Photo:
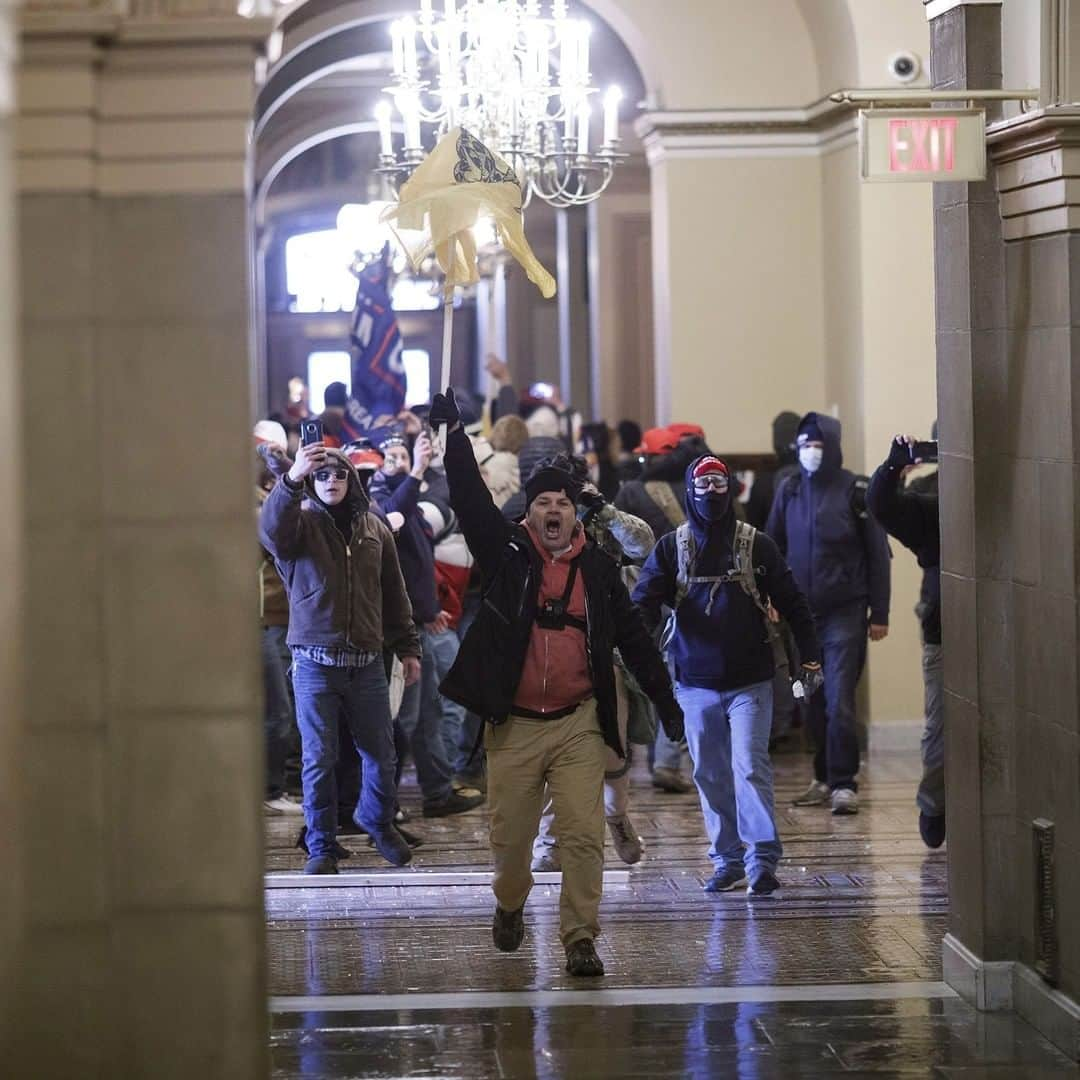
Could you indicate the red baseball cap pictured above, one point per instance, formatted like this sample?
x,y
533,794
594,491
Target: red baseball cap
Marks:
x,y
681,431
657,441
708,465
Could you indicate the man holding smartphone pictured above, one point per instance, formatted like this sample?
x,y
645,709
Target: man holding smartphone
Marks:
x,y
909,512
347,601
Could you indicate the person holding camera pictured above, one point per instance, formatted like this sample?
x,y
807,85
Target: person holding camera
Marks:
x,y
722,579
538,665
347,599
840,558
909,512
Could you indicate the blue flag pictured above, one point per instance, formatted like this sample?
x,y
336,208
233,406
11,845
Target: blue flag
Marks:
x,y
378,371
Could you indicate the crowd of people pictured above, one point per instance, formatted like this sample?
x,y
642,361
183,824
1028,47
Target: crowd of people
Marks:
x,y
515,600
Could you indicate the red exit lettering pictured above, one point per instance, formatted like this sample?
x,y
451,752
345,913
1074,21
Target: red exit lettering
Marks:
x,y
924,145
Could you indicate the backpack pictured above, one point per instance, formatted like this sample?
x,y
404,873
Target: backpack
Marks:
x,y
660,492
743,572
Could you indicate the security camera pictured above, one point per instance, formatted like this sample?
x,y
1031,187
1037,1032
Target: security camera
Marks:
x,y
905,67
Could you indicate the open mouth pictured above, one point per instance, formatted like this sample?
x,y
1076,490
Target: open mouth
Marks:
x,y
552,527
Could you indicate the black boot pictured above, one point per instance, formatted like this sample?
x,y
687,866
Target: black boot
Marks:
x,y
581,959
508,929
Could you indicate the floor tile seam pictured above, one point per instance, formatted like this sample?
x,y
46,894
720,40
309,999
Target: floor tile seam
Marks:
x,y
477,999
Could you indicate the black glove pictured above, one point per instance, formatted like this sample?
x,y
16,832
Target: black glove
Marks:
x,y
591,502
899,454
444,410
671,716
275,458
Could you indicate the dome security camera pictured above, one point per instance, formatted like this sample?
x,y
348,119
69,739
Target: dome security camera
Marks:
x,y
905,67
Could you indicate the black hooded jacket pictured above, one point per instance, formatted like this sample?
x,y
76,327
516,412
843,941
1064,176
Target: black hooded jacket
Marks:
x,y
488,669
727,648
839,558
667,469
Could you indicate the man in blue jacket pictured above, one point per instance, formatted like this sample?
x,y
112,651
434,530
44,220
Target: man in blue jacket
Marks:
x,y
722,578
840,558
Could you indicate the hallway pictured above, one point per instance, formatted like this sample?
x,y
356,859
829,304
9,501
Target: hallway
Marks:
x,y
841,974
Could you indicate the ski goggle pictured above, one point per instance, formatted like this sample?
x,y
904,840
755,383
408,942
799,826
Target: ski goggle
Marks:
x,y
323,475
711,482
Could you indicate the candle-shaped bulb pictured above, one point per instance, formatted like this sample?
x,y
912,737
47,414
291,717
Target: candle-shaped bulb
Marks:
x,y
398,47
611,115
382,115
426,14
451,9
408,33
584,115
584,30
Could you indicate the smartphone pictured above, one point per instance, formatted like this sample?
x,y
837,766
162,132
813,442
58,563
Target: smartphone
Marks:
x,y
926,452
543,390
310,432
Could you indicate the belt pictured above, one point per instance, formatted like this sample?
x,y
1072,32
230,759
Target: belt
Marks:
x,y
558,714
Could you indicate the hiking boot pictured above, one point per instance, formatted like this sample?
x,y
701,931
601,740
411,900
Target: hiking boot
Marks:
x,y
454,803
671,780
391,845
845,801
726,880
548,862
338,851
581,959
817,794
932,829
320,864
625,838
508,929
764,884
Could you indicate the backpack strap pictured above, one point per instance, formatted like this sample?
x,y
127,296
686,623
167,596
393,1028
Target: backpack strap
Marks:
x,y
660,492
686,551
744,564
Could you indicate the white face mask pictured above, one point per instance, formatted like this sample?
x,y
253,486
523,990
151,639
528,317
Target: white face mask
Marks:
x,y
810,458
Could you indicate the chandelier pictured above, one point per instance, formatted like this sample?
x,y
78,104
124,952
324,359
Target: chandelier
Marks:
x,y
515,78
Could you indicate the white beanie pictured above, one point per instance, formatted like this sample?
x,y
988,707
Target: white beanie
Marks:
x,y
543,423
270,431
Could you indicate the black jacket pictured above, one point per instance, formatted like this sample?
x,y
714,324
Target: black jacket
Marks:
x,y
488,669
668,469
839,558
911,516
725,645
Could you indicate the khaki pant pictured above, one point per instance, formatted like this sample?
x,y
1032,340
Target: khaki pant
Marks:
x,y
567,755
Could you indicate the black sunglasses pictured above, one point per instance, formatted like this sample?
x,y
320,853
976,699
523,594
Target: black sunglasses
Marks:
x,y
326,474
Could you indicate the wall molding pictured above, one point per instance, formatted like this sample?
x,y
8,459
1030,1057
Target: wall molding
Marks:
x,y
1010,986
936,8
820,128
1036,159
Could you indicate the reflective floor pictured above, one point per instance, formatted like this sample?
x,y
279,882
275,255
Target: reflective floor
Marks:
x,y
840,973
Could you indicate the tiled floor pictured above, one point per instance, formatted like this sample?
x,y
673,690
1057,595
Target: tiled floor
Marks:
x,y
863,903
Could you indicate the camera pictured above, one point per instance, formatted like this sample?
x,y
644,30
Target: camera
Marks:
x,y
552,616
905,67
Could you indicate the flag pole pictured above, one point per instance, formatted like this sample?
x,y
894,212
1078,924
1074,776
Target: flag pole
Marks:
x,y
447,352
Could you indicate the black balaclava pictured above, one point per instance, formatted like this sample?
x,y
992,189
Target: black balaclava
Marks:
x,y
712,506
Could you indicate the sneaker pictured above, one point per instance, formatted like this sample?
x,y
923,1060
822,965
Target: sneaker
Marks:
x,y
454,803
548,863
508,929
932,829
845,801
581,959
671,780
726,880
281,805
338,851
391,845
765,884
817,794
624,836
321,864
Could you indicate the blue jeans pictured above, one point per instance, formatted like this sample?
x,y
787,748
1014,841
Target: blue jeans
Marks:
x,y
469,752
728,735
831,713
277,706
421,729
326,696
448,717
931,797
666,754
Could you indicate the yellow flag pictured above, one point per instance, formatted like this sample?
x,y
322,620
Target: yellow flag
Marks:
x,y
460,180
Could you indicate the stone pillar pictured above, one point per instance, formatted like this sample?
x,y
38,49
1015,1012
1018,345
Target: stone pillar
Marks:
x,y
1008,304
142,937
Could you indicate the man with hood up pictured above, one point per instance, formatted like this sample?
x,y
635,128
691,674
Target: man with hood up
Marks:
x,y
840,558
538,665
347,599
721,578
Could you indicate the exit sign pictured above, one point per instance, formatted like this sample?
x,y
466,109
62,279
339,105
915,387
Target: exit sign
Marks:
x,y
905,145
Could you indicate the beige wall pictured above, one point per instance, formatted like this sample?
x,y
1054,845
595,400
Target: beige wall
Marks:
x,y
739,240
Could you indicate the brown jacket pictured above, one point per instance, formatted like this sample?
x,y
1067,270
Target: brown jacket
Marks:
x,y
341,595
